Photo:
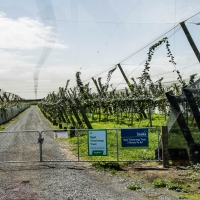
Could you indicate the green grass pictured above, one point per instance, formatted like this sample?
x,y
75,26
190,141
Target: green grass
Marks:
x,y
159,183
157,121
114,146
176,138
132,154
135,187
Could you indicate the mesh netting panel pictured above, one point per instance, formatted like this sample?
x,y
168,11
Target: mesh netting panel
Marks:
x,y
176,137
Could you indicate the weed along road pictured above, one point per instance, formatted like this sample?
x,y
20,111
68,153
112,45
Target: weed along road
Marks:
x,y
50,180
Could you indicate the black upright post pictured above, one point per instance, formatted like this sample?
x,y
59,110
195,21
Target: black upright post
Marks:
x,y
82,111
193,105
194,47
75,113
95,82
181,120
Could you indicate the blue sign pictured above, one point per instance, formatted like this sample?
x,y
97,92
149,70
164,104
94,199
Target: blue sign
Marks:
x,y
136,138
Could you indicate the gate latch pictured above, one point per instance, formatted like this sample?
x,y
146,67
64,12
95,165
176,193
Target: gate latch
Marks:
x,y
40,140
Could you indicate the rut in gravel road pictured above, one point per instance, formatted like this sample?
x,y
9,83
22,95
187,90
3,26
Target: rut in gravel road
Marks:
x,y
50,180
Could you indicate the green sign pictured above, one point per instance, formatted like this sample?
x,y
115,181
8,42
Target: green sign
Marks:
x,y
97,143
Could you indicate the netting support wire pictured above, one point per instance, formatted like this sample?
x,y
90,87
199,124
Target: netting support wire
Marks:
x,y
190,40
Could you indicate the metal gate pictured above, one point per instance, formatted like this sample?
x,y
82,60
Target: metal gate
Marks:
x,y
35,146
19,146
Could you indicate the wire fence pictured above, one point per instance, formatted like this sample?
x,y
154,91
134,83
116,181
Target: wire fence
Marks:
x,y
19,146
80,145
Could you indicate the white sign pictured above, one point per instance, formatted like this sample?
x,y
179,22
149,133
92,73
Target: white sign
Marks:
x,y
60,135
97,143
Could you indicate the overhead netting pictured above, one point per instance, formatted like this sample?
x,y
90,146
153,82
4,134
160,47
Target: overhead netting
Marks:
x,y
176,138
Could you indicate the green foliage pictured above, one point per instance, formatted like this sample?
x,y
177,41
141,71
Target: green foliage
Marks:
x,y
176,138
195,167
158,183
174,186
190,196
114,143
107,165
133,186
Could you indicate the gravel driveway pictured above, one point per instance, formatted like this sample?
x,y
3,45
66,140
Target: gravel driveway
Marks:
x,y
51,180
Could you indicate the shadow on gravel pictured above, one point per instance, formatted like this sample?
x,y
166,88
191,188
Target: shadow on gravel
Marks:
x,y
150,168
39,167
157,168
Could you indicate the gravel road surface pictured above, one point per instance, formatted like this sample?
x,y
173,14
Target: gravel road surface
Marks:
x,y
50,180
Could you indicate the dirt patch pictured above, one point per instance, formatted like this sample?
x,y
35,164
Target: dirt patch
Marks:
x,y
185,178
153,171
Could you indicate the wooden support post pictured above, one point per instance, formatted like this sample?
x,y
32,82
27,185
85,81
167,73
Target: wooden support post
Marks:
x,y
150,115
194,47
95,82
72,120
75,113
131,88
193,105
5,96
165,154
61,114
82,111
126,79
132,104
66,117
181,120
1,98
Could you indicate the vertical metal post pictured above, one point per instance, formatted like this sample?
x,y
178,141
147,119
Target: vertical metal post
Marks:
x,y
40,140
158,145
78,142
117,146
165,147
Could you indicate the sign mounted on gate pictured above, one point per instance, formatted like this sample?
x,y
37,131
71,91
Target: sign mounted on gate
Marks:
x,y
97,143
60,135
135,138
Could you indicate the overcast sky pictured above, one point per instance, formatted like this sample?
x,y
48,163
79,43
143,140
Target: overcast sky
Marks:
x,y
50,40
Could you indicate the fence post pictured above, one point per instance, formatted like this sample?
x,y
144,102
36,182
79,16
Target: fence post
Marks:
x,y
117,145
40,141
78,142
165,154
159,156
